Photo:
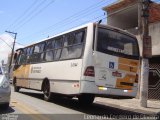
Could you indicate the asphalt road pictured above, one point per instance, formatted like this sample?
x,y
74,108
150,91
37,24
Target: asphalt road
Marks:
x,y
29,105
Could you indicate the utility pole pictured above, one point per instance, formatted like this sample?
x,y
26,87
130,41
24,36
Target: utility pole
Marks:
x,y
146,52
10,63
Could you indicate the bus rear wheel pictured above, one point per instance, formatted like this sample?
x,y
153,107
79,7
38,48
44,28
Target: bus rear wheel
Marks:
x,y
46,91
86,99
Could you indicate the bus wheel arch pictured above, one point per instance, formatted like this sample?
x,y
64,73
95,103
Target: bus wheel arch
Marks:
x,y
16,88
46,89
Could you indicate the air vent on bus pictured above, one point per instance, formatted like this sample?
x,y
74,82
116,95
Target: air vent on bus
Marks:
x,y
89,71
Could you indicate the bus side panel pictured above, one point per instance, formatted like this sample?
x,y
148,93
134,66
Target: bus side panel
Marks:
x,y
88,83
64,76
21,75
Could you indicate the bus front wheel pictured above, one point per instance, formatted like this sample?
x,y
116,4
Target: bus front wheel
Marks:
x,y
86,99
46,91
16,88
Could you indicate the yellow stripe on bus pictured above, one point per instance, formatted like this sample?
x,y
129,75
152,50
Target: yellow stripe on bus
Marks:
x,y
128,79
128,61
22,71
127,68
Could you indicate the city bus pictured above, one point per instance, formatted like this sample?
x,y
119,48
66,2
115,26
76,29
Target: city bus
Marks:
x,y
84,62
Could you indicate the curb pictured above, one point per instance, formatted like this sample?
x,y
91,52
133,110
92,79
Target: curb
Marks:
x,y
131,109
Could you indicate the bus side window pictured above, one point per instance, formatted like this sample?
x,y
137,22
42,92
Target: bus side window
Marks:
x,y
75,45
58,47
16,56
29,54
38,52
48,55
22,58
68,39
58,43
41,52
79,37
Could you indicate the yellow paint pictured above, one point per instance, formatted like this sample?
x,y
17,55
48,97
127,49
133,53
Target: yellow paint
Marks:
x,y
22,72
128,61
127,68
127,79
28,110
127,65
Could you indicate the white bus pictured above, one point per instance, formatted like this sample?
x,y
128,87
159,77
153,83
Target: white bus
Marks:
x,y
84,62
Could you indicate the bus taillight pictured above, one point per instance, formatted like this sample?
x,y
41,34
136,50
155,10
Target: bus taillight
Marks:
x,y
89,71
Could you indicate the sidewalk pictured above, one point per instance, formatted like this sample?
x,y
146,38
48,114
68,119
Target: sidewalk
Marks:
x,y
131,105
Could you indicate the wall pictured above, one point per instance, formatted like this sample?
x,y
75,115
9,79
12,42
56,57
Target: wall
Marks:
x,y
124,18
154,30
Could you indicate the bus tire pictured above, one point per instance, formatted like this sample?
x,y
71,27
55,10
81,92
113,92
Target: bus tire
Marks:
x,y
16,88
5,106
86,99
46,90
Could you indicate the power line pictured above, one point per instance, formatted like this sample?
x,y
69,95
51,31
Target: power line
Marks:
x,y
5,42
101,16
73,17
98,17
68,22
110,14
19,43
9,45
35,7
95,18
34,15
19,19
31,12
80,24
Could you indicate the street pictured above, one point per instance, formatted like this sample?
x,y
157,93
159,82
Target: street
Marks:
x,y
29,104
102,49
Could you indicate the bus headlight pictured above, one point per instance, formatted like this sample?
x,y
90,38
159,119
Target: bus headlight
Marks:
x,y
4,83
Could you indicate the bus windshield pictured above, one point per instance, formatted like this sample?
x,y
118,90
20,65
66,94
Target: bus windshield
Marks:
x,y
117,44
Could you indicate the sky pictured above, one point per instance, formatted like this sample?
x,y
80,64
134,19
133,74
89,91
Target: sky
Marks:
x,y
34,20
6,43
